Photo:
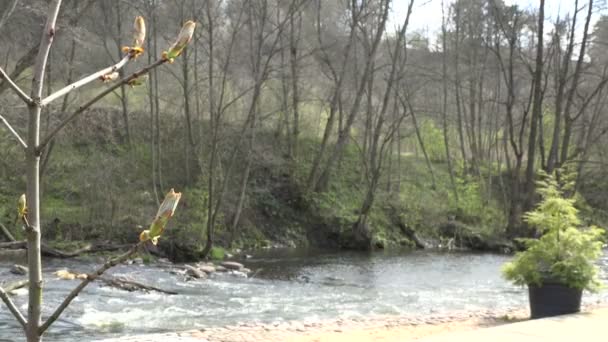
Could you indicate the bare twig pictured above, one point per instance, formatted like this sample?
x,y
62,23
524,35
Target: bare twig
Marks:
x,y
95,76
22,64
7,13
90,277
101,95
20,93
12,130
12,308
6,233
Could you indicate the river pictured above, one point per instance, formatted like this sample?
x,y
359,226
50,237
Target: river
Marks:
x,y
289,285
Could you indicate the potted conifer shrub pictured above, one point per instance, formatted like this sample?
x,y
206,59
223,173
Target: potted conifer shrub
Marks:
x,y
559,265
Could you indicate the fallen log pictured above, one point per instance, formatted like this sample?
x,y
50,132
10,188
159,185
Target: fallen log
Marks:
x,y
15,285
7,235
13,244
56,253
130,285
119,283
13,255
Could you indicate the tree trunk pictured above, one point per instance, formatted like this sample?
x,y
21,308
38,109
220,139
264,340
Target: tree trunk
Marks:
x,y
536,110
457,89
562,79
123,93
344,134
568,119
32,156
313,175
446,140
295,92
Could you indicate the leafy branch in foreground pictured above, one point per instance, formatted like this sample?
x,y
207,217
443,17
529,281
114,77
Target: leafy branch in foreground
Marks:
x,y
165,212
29,204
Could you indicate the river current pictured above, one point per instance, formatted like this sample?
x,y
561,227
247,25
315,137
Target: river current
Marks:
x,y
288,285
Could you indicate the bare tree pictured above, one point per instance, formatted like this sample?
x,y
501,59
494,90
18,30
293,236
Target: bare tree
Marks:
x,y
319,182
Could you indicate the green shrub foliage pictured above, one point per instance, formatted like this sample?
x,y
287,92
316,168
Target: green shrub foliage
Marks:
x,y
566,253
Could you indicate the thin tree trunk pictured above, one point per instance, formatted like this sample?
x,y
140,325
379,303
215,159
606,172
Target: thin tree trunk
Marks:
x,y
457,88
446,140
322,181
124,101
159,159
562,79
335,99
536,110
427,160
213,122
295,92
568,119
152,110
32,156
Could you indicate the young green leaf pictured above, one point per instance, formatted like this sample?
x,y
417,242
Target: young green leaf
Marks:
x,y
184,37
165,212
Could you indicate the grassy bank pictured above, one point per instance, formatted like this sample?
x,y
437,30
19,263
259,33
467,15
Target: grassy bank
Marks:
x,y
98,188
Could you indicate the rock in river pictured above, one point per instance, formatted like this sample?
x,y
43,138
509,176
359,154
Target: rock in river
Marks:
x,y
19,270
207,269
195,272
231,265
238,274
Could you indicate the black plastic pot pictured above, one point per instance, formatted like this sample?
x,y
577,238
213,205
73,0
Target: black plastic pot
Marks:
x,y
553,299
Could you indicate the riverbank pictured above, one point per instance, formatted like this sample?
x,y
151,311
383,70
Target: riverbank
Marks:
x,y
352,330
385,329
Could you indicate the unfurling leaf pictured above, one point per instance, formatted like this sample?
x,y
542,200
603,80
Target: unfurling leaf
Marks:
x,y
139,37
184,37
165,212
21,208
109,77
138,81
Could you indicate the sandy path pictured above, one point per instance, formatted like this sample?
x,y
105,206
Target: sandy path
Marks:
x,y
395,333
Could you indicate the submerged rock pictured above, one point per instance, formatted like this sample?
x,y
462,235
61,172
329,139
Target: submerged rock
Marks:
x,y
164,262
19,270
195,272
137,261
207,269
232,265
239,274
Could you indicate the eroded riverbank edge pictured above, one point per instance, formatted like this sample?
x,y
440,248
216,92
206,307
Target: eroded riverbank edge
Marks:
x,y
380,328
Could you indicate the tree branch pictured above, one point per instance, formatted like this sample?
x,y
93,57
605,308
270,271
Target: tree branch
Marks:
x,y
7,13
90,277
25,62
95,76
6,233
12,130
12,308
101,95
15,87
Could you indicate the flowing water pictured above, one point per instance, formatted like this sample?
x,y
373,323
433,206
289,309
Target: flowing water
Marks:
x,y
288,285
